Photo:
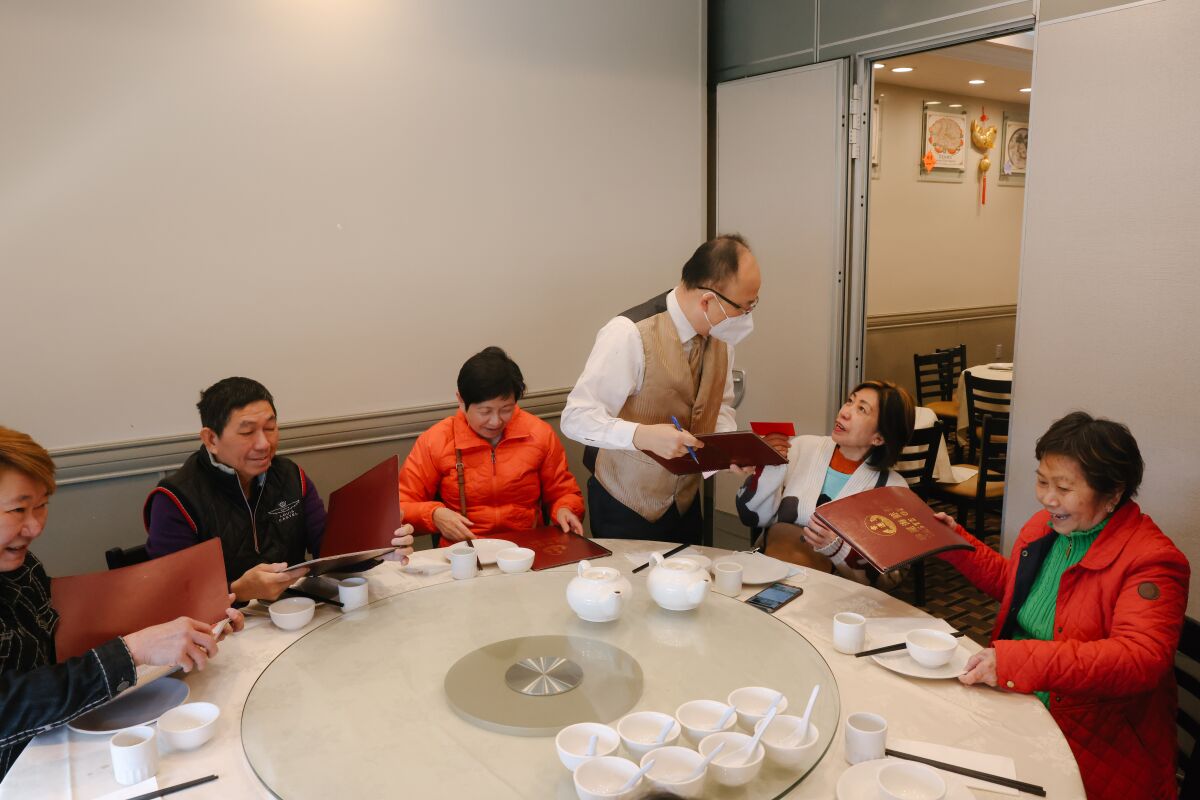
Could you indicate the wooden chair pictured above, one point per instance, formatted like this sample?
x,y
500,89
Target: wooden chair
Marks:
x,y
986,489
936,380
958,362
126,557
916,465
1187,676
985,397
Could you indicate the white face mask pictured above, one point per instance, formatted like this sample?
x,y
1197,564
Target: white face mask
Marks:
x,y
730,330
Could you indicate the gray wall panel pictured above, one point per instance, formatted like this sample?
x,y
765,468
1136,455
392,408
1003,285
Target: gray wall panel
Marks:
x,y
750,37
1057,9
859,26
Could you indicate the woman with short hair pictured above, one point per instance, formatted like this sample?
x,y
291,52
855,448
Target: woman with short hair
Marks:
x,y
869,431
36,693
492,467
1092,600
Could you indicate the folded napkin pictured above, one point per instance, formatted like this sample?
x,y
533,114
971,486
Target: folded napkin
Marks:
x,y
1002,766
963,473
125,792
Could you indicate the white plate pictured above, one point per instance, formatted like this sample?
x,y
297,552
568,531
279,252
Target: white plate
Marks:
x,y
757,568
142,707
900,661
858,782
486,549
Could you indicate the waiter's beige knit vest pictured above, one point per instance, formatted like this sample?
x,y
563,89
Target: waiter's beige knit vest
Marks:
x,y
631,476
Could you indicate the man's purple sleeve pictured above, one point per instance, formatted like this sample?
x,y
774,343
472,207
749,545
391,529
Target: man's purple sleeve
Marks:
x,y
169,531
314,516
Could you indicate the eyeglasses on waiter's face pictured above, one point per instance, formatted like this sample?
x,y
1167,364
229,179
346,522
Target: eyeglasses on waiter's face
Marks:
x,y
745,309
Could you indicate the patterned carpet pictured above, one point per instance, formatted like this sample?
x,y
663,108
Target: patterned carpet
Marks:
x,y
949,596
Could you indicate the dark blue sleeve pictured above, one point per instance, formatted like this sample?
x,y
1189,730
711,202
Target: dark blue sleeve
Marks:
x,y
314,516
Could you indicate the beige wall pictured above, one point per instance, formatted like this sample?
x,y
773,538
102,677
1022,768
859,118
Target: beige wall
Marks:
x,y
932,246
1107,315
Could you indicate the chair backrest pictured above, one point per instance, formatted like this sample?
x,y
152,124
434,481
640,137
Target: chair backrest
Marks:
x,y
117,557
986,396
993,453
918,457
1187,676
932,373
958,360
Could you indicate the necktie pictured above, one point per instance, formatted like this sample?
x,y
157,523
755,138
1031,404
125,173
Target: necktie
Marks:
x,y
696,358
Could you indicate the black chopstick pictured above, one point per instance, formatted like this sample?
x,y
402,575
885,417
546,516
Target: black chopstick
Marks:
x,y
1011,783
891,648
179,787
318,598
666,555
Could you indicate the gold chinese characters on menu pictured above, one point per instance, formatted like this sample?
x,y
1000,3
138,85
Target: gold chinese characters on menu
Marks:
x,y
890,527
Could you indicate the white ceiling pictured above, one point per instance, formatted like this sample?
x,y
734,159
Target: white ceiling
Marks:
x,y
1005,64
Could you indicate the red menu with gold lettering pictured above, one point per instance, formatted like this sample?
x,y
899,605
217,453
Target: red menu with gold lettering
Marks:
x,y
99,606
553,547
890,527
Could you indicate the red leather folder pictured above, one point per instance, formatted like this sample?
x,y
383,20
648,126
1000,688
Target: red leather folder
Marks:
x,y
723,450
553,547
766,428
365,513
95,607
890,526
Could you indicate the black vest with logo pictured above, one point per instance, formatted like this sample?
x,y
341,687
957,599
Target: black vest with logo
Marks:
x,y
268,528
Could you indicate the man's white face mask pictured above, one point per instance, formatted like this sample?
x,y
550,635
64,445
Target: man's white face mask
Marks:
x,y
730,330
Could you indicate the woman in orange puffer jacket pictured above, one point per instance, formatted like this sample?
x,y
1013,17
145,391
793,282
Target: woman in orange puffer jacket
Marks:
x,y
491,467
1092,603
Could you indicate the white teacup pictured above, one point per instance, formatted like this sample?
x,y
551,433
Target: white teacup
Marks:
x,y
849,632
464,562
727,578
134,753
352,593
866,737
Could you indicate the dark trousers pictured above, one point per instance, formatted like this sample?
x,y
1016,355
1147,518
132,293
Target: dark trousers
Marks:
x,y
612,519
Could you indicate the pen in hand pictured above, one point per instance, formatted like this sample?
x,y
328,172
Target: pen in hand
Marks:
x,y
679,428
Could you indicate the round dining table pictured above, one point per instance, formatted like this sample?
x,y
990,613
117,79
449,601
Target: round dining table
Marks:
x,y
290,700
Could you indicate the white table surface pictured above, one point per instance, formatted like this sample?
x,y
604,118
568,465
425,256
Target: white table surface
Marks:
x,y
65,764
980,371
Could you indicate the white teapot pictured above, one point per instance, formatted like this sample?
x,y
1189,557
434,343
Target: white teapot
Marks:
x,y
677,584
598,594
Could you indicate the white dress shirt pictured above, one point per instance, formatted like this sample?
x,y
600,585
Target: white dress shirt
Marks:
x,y
614,372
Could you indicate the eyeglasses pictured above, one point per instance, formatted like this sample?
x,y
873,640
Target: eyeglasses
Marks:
x,y
745,309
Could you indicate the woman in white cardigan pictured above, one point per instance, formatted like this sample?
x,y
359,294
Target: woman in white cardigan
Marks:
x,y
871,428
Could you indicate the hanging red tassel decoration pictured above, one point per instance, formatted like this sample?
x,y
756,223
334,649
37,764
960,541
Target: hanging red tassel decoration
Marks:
x,y
984,139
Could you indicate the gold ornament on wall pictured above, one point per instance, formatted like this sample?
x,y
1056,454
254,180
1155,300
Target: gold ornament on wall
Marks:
x,y
984,139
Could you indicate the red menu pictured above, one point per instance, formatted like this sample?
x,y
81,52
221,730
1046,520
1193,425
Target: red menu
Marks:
x,y
98,606
365,513
721,451
553,547
890,526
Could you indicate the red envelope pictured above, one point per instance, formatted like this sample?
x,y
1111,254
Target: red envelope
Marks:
x,y
764,428
99,606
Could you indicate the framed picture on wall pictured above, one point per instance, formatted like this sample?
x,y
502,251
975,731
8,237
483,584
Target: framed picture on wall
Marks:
x,y
944,144
1015,151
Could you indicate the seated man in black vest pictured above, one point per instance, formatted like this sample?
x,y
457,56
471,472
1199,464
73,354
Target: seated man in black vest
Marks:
x,y
265,510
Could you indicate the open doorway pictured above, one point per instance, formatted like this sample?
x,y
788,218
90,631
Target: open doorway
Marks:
x,y
943,238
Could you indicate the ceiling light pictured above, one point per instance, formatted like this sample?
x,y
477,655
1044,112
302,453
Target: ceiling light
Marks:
x,y
878,66
933,102
1027,89
977,82
902,69
954,105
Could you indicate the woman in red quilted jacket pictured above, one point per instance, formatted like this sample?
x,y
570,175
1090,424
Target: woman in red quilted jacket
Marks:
x,y
491,467
1091,605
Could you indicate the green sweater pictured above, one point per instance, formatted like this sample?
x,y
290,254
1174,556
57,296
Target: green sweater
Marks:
x,y
1035,620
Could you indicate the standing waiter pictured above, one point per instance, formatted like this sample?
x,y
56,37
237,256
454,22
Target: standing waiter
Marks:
x,y
671,356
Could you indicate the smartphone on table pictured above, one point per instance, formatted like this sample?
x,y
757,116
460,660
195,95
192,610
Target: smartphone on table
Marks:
x,y
775,597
